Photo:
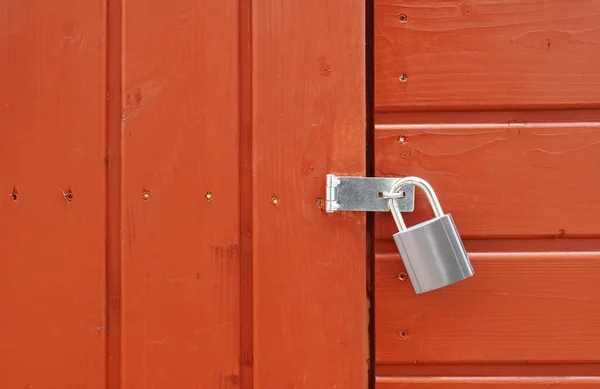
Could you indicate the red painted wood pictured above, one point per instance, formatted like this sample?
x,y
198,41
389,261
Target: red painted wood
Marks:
x,y
181,252
310,306
489,370
518,308
478,54
52,195
488,382
494,245
162,167
500,179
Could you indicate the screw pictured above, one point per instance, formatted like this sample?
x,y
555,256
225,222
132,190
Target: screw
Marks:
x,y
208,196
403,333
402,139
403,18
274,200
319,202
402,276
403,77
146,194
68,195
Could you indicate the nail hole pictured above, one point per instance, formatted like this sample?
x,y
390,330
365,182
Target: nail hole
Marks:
x,y
14,195
403,78
380,195
402,276
403,18
403,334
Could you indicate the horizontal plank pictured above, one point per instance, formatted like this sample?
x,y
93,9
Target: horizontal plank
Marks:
x,y
500,179
488,370
387,245
518,308
385,119
479,54
486,382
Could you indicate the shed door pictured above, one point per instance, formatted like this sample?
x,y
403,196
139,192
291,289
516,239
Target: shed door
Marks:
x,y
495,103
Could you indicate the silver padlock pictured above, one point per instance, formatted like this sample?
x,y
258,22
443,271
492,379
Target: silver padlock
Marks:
x,y
432,251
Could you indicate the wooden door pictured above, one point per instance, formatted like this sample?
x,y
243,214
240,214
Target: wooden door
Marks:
x,y
495,103
162,174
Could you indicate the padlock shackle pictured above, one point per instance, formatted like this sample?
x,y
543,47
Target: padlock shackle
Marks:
x,y
421,184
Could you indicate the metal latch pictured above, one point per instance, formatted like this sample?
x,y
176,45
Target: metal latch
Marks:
x,y
348,193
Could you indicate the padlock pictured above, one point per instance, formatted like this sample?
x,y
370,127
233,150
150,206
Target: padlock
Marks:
x,y
432,251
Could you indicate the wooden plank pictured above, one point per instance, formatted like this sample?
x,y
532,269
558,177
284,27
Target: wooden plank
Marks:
x,y
52,243
519,308
180,194
310,303
509,245
499,179
489,370
487,382
480,54
114,191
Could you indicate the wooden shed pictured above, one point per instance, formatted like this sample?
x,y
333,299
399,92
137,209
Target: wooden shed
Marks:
x,y
162,193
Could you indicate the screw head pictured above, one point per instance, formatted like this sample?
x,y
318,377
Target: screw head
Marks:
x,y
403,18
402,139
402,276
208,196
403,333
146,195
274,200
403,77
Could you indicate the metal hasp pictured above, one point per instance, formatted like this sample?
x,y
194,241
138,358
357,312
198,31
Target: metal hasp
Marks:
x,y
349,193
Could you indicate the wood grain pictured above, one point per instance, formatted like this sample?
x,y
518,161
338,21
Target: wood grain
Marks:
x,y
478,54
180,142
493,245
489,370
310,303
518,308
52,243
487,382
499,179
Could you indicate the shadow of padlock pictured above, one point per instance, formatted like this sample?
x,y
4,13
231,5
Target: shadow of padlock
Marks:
x,y
432,251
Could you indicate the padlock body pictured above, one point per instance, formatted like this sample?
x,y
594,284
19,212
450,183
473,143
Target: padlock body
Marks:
x,y
433,254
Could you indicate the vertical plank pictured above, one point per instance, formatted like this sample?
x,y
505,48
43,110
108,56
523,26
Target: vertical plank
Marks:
x,y
52,254
180,116
114,190
310,303
246,198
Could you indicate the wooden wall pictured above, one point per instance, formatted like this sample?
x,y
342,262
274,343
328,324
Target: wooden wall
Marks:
x,y
160,176
495,103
